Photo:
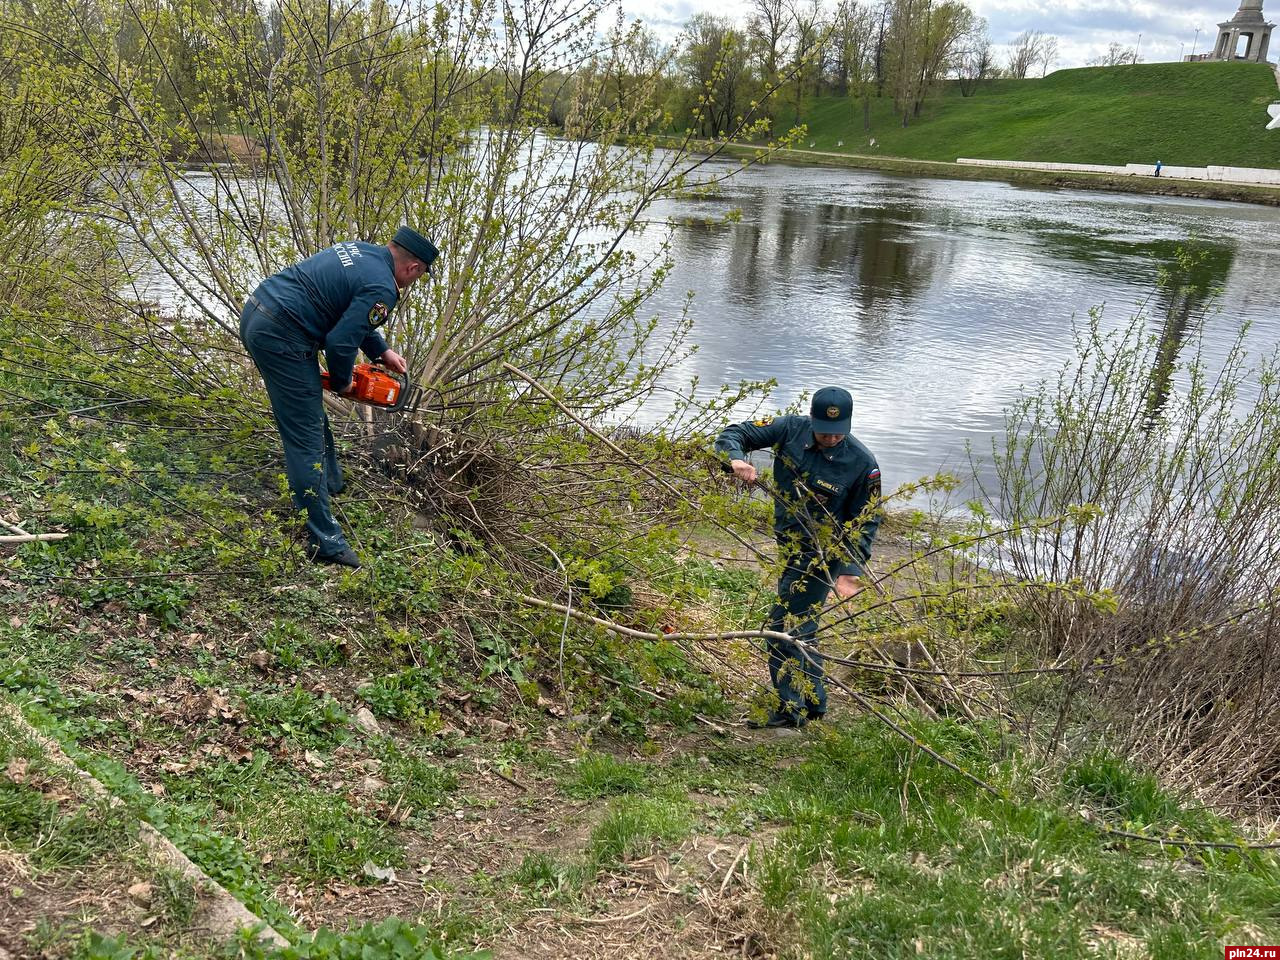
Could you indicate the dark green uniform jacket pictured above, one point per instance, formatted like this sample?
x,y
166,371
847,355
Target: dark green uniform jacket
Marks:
x,y
337,297
822,495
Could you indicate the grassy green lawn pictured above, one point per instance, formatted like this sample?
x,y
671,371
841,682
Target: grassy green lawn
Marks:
x,y
1186,114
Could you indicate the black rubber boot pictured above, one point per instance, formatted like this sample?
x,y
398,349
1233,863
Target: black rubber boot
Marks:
x,y
347,558
777,720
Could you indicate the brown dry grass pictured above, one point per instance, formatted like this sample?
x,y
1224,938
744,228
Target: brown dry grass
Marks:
x,y
690,902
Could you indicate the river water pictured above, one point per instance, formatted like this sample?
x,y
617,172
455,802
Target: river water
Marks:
x,y
936,301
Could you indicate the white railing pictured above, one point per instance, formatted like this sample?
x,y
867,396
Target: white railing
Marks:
x,y
1215,173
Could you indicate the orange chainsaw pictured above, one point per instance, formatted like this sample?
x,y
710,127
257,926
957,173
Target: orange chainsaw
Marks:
x,y
375,385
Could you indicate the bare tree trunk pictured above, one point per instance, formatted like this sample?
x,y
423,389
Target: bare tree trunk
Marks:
x,y
322,123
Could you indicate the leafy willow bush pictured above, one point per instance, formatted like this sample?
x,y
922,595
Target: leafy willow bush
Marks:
x,y
1154,480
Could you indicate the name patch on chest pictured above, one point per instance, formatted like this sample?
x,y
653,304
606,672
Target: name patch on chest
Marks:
x,y
826,486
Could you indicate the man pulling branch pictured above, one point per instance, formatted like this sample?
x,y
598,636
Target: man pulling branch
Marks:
x,y
826,514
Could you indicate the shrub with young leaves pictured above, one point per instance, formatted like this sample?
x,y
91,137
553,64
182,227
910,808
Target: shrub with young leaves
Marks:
x,y
1144,482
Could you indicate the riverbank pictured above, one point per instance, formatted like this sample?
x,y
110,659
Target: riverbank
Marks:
x,y
242,150
1153,186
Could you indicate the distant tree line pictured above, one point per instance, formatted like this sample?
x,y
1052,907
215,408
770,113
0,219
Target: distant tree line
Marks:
x,y
901,49
763,67
1117,54
898,49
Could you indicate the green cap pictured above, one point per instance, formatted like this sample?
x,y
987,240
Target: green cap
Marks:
x,y
831,410
417,244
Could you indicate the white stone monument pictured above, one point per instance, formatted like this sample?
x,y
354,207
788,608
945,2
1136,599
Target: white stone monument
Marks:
x,y
1245,36
1274,110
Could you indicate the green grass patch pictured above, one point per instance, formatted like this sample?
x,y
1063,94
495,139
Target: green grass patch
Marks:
x,y
319,836
57,834
44,815
173,897
1123,794
390,939
310,832
631,825
294,646
601,775
886,853
188,826
297,715
415,781
1186,114
547,879
407,694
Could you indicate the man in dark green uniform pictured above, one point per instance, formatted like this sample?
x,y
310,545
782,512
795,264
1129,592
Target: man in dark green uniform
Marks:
x,y
333,301
826,513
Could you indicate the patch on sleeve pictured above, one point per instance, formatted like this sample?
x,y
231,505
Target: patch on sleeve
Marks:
x,y
762,422
378,314
873,481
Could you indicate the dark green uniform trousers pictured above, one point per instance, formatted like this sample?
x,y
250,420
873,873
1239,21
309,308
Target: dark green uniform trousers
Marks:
x,y
286,357
802,591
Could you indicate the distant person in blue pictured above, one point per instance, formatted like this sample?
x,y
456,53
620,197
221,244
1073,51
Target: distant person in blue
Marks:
x,y
826,514
333,301
1159,167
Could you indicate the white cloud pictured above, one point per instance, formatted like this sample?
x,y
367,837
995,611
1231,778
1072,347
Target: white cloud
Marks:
x,y
1085,28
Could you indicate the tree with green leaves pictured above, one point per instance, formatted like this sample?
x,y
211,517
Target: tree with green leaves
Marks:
x,y
768,28
849,62
718,82
939,49
810,34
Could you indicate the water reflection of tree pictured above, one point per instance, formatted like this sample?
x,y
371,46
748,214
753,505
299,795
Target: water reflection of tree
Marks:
x,y
1191,273
747,282
1189,279
876,249
894,265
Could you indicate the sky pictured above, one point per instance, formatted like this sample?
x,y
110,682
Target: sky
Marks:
x,y
1085,28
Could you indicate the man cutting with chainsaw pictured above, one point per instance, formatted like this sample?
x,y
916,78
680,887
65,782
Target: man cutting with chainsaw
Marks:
x,y
826,489
333,301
